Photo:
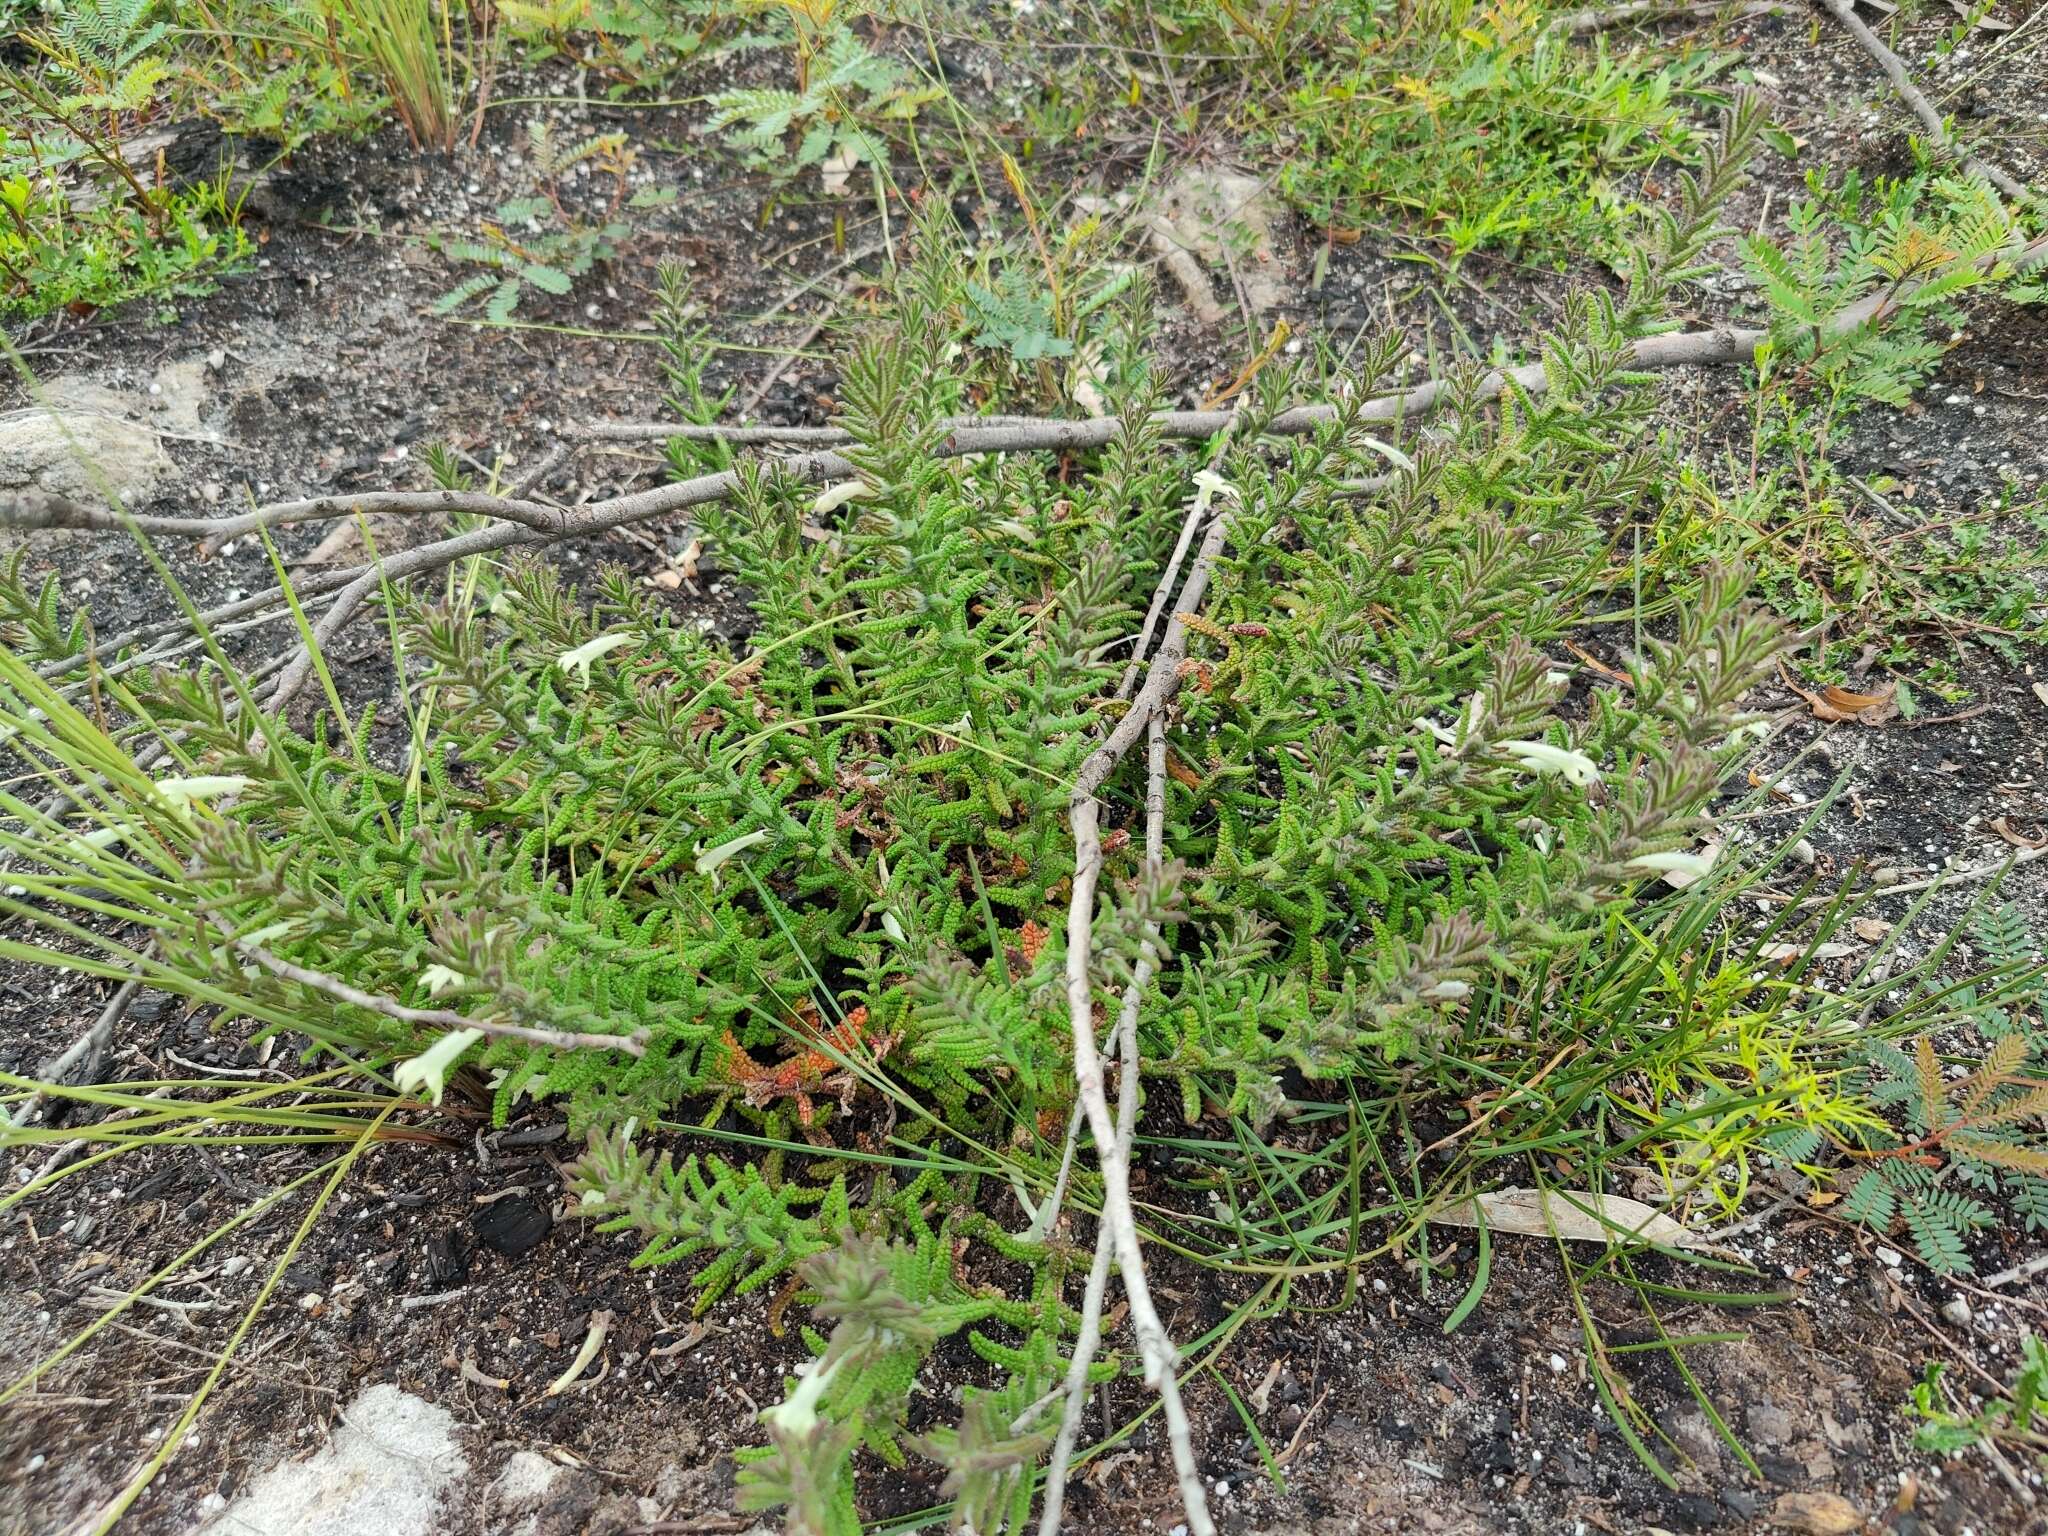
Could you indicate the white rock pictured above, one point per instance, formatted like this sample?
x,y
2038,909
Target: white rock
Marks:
x,y
387,1468
83,437
524,1481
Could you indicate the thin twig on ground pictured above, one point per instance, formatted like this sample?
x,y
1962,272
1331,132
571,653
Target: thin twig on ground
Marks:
x,y
1650,12
1894,67
2026,1271
550,461
816,328
1946,877
1125,1045
88,1048
1204,495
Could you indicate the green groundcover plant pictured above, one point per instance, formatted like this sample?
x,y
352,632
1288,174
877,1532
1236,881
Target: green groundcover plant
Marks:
x,y
590,856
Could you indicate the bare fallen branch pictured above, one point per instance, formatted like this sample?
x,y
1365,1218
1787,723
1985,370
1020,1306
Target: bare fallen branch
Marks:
x,y
719,432
1650,12
313,586
1119,1222
2025,1271
1677,349
1125,1044
88,1048
699,432
1894,67
58,512
1204,494
532,525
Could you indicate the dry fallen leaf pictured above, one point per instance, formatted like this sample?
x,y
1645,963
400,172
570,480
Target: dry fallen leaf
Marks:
x,y
1785,954
1818,1514
2041,692
2018,839
1870,929
1612,674
1574,1215
1864,708
1835,704
1679,879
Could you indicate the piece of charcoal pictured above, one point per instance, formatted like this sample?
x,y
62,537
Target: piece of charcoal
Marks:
x,y
511,1226
447,1264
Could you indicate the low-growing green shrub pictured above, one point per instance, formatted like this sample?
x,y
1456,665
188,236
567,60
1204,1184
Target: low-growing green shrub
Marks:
x,y
546,239
591,856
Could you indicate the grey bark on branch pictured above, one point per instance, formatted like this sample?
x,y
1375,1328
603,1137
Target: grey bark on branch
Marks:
x,y
634,1044
1074,1388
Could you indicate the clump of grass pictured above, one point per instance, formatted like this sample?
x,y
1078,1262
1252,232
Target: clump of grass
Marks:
x,y
313,1110
410,45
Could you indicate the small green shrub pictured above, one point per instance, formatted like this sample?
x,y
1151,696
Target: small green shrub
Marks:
x,y
1862,562
825,871
1916,244
638,43
1969,1153
2012,1417
847,100
817,880
543,242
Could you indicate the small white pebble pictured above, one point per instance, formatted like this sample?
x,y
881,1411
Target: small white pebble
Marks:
x,y
1557,1364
